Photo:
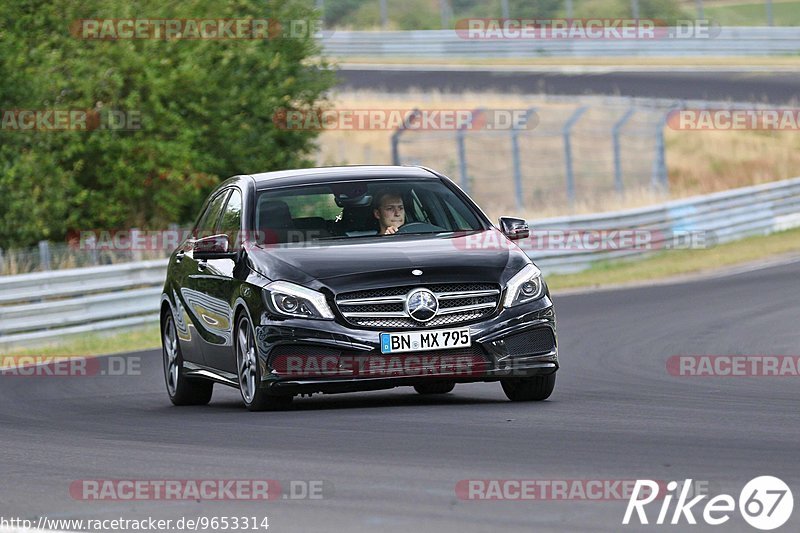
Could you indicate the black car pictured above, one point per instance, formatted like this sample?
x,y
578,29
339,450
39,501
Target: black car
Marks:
x,y
349,279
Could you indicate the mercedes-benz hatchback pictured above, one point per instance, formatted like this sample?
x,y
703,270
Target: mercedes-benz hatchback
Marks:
x,y
350,279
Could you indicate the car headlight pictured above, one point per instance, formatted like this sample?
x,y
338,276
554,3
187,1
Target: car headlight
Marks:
x,y
288,299
525,286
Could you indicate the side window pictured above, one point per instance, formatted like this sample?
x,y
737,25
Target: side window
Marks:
x,y
461,223
415,212
231,222
208,222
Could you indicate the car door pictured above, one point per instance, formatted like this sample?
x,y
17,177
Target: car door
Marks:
x,y
222,286
203,311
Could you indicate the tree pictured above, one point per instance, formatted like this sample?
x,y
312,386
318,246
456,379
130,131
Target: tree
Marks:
x,y
193,111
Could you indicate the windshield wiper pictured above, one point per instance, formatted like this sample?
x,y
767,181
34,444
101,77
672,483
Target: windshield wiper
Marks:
x,y
342,237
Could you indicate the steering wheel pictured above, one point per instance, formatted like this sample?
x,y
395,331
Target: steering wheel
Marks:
x,y
421,227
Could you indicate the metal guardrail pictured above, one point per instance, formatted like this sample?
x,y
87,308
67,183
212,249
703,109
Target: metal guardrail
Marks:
x,y
731,41
48,305
722,217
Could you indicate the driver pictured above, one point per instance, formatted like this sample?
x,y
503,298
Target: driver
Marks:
x,y
389,211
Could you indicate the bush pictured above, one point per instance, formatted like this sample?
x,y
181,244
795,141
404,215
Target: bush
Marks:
x,y
205,108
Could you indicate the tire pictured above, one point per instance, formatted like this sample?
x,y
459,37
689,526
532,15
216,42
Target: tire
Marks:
x,y
436,387
181,390
248,371
533,389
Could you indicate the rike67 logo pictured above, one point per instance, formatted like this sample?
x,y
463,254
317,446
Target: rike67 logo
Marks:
x,y
765,503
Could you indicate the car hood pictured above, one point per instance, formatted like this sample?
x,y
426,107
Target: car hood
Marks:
x,y
374,262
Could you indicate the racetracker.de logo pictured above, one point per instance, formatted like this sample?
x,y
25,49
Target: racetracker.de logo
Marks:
x,y
734,119
600,29
198,489
546,489
69,366
406,365
172,489
29,120
194,29
590,240
734,365
374,119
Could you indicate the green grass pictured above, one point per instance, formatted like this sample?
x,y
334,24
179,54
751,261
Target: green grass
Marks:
x,y
680,262
142,338
754,14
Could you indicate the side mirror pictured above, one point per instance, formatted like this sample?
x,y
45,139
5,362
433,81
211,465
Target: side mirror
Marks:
x,y
514,228
213,247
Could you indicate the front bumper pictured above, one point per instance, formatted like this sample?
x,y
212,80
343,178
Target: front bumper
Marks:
x,y
516,342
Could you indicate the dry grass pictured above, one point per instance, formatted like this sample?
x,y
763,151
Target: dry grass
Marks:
x,y
704,162
698,162
681,262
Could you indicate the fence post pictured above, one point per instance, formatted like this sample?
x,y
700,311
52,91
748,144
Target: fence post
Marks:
x,y
91,243
462,150
515,155
44,255
568,151
176,236
136,251
384,9
445,12
618,185
2,262
658,178
398,132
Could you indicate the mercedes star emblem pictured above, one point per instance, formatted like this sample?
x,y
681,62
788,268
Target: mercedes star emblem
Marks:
x,y
421,305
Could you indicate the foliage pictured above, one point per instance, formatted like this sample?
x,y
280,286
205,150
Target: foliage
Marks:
x,y
204,110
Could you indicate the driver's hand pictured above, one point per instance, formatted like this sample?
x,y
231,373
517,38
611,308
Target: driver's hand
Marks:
x,y
391,230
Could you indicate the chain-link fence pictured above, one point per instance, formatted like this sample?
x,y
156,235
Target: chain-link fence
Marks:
x,y
560,153
562,156
104,248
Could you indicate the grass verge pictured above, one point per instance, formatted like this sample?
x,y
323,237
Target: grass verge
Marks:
x,y
680,262
784,13
133,340
781,61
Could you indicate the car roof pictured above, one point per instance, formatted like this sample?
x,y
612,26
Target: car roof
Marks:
x,y
309,176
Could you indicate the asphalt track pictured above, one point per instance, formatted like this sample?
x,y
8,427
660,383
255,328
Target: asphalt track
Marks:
x,y
393,458
702,84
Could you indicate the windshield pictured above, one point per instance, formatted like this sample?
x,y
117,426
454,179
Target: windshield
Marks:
x,y
357,209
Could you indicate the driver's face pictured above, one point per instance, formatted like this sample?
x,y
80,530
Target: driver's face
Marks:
x,y
391,212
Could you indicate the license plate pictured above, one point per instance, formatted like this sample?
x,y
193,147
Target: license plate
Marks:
x,y
425,341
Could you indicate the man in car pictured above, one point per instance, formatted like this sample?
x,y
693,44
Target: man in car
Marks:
x,y
389,211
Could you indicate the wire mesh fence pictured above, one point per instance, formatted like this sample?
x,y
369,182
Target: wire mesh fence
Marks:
x,y
563,153
565,156
80,253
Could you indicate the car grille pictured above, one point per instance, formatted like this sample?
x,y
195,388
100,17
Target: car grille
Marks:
x,y
459,303
538,341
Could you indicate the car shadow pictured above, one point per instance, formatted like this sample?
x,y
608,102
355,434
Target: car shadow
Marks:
x,y
360,401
